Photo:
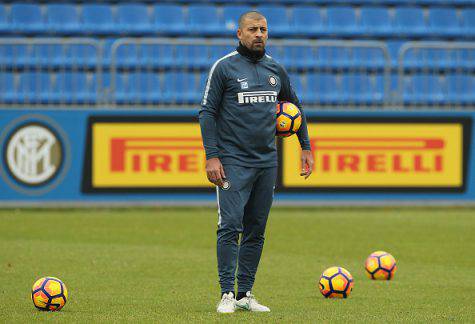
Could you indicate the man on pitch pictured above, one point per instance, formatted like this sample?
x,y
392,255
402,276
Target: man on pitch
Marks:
x,y
237,120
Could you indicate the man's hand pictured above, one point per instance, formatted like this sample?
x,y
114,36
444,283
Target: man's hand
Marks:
x,y
215,171
307,163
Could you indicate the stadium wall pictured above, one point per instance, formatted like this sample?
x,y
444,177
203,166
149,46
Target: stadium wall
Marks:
x,y
78,157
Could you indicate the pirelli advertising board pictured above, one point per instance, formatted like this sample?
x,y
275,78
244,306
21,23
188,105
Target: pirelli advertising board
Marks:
x,y
381,154
156,154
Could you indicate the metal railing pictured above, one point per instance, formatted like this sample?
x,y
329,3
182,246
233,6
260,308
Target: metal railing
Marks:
x,y
149,81
436,74
162,72
51,72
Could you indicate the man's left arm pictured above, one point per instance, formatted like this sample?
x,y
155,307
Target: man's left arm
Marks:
x,y
287,93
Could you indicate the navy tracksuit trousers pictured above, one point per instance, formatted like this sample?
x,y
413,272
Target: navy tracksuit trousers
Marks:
x,y
243,209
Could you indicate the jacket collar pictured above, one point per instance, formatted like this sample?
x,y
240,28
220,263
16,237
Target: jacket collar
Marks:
x,y
251,55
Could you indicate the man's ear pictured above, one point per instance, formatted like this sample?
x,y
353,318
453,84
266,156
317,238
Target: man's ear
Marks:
x,y
239,33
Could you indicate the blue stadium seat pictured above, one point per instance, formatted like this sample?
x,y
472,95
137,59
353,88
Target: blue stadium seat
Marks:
x,y
298,86
461,88
8,89
443,21
180,88
277,19
81,56
27,18
169,19
361,88
298,57
75,88
138,87
158,55
14,55
322,88
463,58
468,16
98,19
375,21
34,87
409,21
204,20
334,57
62,18
342,21
231,14
127,56
369,57
307,21
193,56
133,18
4,25
424,89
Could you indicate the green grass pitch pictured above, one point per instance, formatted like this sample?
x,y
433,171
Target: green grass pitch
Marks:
x,y
159,264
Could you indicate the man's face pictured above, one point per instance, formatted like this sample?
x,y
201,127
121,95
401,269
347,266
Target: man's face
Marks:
x,y
253,34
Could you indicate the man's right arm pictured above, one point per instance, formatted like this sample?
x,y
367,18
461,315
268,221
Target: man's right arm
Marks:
x,y
208,114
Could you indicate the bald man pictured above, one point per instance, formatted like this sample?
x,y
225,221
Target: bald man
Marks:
x,y
238,120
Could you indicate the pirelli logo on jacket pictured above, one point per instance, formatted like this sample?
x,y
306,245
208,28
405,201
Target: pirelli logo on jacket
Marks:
x,y
257,97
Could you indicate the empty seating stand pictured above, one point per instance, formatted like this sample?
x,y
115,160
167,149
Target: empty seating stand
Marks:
x,y
175,72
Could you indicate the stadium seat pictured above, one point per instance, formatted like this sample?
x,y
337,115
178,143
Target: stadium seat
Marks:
x,y
62,18
98,19
369,57
8,90
375,21
75,88
334,57
362,88
298,57
204,20
81,56
180,88
277,19
322,89
461,88
34,87
468,19
4,25
127,56
138,88
193,56
443,21
342,21
424,89
27,18
169,19
133,18
298,86
231,14
306,21
157,55
463,58
409,21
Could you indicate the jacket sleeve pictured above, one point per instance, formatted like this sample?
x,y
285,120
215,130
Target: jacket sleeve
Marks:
x,y
209,111
287,93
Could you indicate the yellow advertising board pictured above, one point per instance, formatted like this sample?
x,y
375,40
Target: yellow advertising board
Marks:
x,y
386,155
141,154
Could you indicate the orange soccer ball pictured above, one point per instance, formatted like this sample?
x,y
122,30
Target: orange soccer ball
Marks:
x,y
336,282
49,294
289,119
380,265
